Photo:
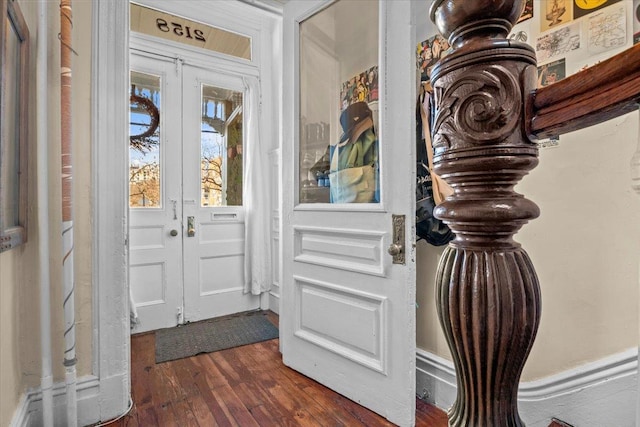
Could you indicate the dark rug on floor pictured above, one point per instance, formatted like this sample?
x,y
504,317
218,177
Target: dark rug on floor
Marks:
x,y
212,335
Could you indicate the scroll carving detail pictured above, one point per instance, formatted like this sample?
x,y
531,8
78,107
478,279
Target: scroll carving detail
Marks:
x,y
482,105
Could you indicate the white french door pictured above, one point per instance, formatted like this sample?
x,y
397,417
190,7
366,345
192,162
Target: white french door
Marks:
x,y
214,257
186,222
155,199
348,310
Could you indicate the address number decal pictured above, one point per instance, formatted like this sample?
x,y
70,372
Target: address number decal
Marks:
x,y
179,30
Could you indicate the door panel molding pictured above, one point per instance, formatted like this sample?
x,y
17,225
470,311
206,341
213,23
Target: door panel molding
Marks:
x,y
147,274
153,234
353,250
361,340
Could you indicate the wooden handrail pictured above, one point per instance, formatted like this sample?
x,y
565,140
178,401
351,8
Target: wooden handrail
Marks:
x,y
599,93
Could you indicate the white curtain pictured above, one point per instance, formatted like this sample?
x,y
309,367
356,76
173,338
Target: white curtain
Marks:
x,y
256,197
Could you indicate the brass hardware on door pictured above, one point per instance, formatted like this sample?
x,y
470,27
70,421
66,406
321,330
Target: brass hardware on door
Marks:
x,y
173,233
396,248
191,226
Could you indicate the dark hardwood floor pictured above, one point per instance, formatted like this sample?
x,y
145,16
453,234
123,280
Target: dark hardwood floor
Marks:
x,y
242,386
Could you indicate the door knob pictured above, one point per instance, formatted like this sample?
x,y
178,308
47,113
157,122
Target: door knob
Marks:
x,y
191,226
173,233
395,249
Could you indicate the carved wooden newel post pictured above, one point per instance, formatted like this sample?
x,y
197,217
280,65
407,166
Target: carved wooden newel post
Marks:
x,y
487,289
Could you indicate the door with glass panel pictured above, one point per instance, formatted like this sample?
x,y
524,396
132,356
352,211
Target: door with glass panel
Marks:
x,y
347,316
155,206
212,199
186,228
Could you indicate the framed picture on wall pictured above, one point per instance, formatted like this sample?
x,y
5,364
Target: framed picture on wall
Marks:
x,y
555,13
551,72
14,43
585,7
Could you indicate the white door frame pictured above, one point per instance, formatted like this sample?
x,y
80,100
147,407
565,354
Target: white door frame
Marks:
x,y
108,387
110,69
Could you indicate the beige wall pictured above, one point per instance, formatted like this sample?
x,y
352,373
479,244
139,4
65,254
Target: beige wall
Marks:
x,y
10,387
19,276
585,247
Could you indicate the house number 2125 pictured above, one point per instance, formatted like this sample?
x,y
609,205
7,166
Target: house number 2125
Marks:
x,y
179,30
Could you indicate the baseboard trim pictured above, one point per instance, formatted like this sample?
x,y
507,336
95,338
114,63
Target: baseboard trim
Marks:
x,y
274,302
600,393
21,414
29,411
435,379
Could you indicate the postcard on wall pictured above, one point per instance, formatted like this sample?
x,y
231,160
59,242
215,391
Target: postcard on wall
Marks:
x,y
551,72
548,143
558,42
429,52
636,21
584,7
607,29
361,87
527,13
555,13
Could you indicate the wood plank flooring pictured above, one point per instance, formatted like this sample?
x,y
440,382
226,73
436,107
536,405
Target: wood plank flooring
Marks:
x,y
242,386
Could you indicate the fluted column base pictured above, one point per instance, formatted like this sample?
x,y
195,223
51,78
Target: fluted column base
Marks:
x,y
489,308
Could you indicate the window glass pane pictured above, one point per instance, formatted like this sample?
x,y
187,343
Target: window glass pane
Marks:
x,y
10,172
221,144
144,143
338,160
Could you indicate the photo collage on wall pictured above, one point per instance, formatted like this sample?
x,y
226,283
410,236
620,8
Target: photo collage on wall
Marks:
x,y
551,72
575,30
428,53
361,87
437,47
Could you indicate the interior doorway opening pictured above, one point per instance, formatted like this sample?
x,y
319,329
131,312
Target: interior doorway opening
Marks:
x,y
185,179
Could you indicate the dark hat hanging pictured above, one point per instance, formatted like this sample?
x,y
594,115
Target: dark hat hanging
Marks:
x,y
354,121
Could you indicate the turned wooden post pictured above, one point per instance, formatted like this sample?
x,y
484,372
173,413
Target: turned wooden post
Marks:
x,y
488,296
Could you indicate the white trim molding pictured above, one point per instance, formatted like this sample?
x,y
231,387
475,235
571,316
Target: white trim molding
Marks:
x,y
596,394
29,410
21,414
110,131
274,292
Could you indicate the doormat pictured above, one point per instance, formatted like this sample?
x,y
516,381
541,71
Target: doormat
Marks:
x,y
213,335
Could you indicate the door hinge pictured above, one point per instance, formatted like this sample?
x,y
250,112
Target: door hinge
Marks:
x,y
178,62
